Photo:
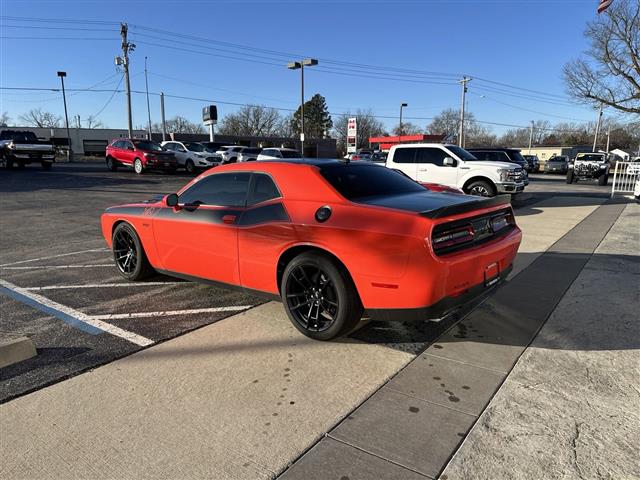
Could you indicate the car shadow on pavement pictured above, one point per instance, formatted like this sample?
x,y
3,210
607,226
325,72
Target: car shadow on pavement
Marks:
x,y
517,310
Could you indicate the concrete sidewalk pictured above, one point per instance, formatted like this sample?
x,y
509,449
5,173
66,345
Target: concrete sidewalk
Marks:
x,y
571,406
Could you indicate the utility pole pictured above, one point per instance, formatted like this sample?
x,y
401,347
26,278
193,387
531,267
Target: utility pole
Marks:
x,y
126,48
78,121
608,135
463,82
164,126
595,140
66,116
146,83
530,137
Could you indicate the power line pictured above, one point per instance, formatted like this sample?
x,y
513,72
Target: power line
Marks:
x,y
110,98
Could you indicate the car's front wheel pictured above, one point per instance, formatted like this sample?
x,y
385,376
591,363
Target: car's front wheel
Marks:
x,y
603,179
190,167
481,188
320,297
138,167
128,253
570,177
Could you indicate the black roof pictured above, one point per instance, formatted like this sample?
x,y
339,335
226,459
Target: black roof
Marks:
x,y
491,149
317,162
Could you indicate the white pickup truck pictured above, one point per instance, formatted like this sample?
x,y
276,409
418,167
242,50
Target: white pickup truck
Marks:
x,y
454,166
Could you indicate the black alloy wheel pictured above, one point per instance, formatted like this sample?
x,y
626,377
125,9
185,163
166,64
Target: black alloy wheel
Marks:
x,y
481,189
128,253
319,296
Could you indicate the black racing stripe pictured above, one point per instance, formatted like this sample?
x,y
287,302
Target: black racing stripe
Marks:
x,y
269,213
199,215
127,210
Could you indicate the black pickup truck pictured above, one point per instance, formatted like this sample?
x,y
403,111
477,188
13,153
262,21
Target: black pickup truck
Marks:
x,y
20,148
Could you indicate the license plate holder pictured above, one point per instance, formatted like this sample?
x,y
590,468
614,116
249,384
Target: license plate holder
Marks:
x,y
491,274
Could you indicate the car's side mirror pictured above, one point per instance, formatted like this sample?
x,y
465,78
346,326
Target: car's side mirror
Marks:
x,y
171,200
449,162
130,148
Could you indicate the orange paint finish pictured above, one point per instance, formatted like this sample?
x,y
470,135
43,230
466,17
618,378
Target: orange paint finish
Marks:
x,y
378,246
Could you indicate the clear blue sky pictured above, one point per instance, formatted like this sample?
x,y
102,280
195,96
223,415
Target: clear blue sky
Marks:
x,y
523,43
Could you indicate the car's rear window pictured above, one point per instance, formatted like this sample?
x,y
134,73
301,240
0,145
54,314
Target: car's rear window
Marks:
x,y
356,182
19,136
290,154
252,150
151,146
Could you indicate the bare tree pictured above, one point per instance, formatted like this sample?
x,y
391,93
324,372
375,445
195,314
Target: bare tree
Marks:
x,y
252,120
285,126
4,119
408,128
368,126
447,123
609,72
37,118
178,124
93,122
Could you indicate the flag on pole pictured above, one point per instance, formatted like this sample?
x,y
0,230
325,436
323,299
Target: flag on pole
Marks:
x,y
604,4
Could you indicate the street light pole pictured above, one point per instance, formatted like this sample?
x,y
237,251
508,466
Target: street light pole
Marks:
x,y
402,105
307,62
66,116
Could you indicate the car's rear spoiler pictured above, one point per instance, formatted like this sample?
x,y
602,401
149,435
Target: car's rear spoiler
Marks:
x,y
459,208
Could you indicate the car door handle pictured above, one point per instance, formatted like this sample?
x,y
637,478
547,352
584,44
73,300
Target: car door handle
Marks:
x,y
229,219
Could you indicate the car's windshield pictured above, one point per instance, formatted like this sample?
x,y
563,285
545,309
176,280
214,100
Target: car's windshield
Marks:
x,y
290,154
355,182
146,145
590,157
461,153
558,159
194,147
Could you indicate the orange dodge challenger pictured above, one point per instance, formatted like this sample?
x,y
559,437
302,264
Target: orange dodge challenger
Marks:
x,y
339,243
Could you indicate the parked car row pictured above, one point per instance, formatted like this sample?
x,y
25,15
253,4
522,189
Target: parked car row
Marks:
x,y
169,156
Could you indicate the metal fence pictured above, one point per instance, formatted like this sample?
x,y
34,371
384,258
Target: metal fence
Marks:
x,y
625,176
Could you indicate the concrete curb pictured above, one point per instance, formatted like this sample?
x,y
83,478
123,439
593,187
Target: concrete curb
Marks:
x,y
16,349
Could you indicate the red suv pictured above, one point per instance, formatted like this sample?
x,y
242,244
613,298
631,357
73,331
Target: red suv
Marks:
x,y
140,154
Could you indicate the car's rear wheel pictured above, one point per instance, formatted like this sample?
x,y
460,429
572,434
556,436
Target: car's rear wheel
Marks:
x,y
138,167
112,164
481,188
603,179
320,297
128,253
190,167
570,177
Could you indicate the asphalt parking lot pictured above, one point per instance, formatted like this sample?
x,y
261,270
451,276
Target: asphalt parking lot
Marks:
x,y
54,268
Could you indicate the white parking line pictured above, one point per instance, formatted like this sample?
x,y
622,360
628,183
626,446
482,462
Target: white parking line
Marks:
x,y
42,267
103,249
120,316
104,285
69,315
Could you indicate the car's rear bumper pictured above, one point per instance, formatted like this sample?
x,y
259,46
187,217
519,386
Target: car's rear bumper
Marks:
x,y
442,308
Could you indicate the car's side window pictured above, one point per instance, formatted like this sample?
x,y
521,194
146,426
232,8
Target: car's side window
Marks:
x,y
222,189
404,155
434,156
168,146
127,145
482,155
262,189
117,144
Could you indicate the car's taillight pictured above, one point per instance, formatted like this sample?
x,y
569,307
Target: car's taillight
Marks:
x,y
457,236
